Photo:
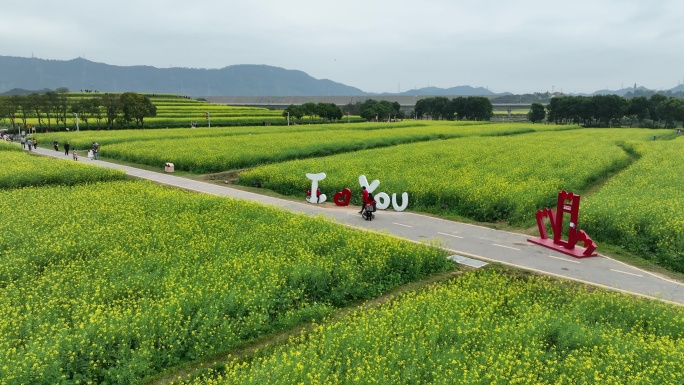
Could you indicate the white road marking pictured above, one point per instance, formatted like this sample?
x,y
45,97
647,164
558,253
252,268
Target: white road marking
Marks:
x,y
401,224
450,235
508,247
624,272
564,259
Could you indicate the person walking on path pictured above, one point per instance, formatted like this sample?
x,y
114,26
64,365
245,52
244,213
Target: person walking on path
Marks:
x,y
364,198
74,153
55,144
66,148
23,142
96,149
29,142
35,143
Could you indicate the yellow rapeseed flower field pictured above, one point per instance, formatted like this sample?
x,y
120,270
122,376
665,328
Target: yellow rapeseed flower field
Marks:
x,y
109,282
482,328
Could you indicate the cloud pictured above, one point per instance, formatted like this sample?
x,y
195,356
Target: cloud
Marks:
x,y
380,45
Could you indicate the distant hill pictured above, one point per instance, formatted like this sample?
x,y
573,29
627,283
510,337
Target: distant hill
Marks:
x,y
26,75
237,80
453,91
621,92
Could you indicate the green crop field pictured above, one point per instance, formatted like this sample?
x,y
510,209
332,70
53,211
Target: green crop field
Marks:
x,y
105,280
642,209
109,282
493,179
481,328
20,169
214,154
174,112
86,138
484,178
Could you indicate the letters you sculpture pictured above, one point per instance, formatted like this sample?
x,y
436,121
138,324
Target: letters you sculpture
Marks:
x,y
567,203
342,198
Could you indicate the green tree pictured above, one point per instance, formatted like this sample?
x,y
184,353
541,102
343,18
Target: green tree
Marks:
x,y
50,107
94,110
671,111
654,104
112,108
329,111
309,109
22,107
479,108
136,107
61,105
537,113
296,112
7,110
609,108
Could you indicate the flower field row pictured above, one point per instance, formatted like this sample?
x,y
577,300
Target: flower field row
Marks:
x,y
483,178
20,169
110,282
642,208
106,137
482,328
7,146
213,154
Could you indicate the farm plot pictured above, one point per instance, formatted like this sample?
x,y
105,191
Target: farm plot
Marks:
x,y
642,208
109,282
482,328
483,178
20,169
106,137
213,154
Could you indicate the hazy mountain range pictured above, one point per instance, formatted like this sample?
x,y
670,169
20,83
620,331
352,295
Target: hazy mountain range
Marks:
x,y
23,75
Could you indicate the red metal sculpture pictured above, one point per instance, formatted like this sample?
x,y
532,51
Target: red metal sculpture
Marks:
x,y
567,203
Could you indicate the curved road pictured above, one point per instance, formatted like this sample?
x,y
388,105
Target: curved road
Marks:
x,y
470,244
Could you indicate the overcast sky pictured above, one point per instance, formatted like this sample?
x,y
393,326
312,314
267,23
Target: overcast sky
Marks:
x,y
375,45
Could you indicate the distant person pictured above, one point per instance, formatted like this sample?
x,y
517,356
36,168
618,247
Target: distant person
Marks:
x,y
30,144
66,148
75,154
23,143
35,143
55,144
364,197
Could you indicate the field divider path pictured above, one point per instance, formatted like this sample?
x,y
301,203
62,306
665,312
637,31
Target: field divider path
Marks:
x,y
473,241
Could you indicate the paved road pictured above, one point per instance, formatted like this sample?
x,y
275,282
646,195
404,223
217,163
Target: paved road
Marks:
x,y
472,241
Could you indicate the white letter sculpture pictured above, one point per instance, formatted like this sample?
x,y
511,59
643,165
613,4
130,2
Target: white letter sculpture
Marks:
x,y
404,201
314,187
382,199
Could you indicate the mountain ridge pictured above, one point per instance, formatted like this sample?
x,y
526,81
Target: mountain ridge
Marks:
x,y
22,75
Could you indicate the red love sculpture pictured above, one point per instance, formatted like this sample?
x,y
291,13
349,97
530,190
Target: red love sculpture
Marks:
x,y
342,198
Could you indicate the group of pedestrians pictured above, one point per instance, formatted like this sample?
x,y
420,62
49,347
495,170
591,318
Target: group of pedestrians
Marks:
x,y
31,143
92,153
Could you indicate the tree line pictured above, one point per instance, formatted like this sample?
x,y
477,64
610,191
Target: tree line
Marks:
x,y
54,109
438,108
325,111
611,111
460,108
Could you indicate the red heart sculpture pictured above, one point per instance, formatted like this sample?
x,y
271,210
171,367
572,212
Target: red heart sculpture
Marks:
x,y
342,198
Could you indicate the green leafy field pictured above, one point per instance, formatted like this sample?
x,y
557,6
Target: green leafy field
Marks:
x,y
483,178
110,282
642,209
482,328
19,169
